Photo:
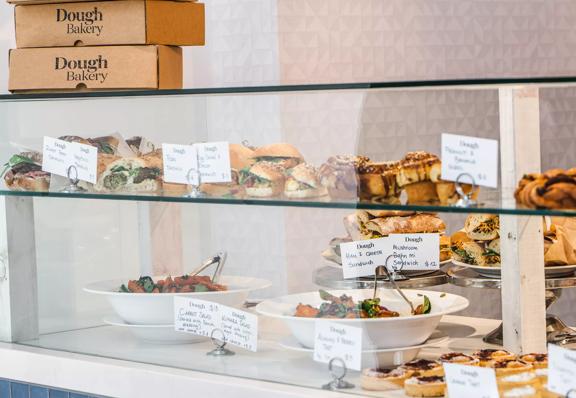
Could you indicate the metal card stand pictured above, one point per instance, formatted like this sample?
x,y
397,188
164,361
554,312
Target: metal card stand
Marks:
x,y
465,198
338,382
220,343
194,182
72,187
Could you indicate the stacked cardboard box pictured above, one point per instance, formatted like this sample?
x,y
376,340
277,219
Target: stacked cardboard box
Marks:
x,y
102,45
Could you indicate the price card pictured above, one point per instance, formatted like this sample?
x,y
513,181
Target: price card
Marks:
x,y
200,317
178,161
475,156
470,381
59,155
214,162
212,159
413,251
561,370
334,340
360,258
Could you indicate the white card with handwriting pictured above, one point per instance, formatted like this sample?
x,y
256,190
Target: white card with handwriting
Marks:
x,y
360,258
214,162
335,340
413,251
59,156
561,370
201,317
180,164
470,381
470,155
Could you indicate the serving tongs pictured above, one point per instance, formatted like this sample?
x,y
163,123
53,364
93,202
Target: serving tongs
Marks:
x,y
382,270
219,259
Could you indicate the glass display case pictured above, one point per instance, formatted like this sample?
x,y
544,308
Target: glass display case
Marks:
x,y
276,228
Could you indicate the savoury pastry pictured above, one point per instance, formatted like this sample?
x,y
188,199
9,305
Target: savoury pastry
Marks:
x,y
424,367
538,361
425,386
384,379
487,357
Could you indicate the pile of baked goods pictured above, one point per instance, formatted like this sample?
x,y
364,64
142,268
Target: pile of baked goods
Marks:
x,y
517,376
554,189
478,243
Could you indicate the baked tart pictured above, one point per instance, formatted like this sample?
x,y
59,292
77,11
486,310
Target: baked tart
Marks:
x,y
516,380
384,379
425,386
511,366
488,356
538,361
424,367
459,358
521,392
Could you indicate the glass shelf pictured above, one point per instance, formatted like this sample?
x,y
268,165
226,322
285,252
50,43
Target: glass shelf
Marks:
x,y
492,207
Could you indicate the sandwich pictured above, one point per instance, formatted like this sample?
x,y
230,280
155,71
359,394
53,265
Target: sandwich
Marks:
x,y
378,181
445,248
492,253
466,250
418,223
23,172
135,174
482,227
282,154
340,176
240,158
303,182
106,145
140,146
263,179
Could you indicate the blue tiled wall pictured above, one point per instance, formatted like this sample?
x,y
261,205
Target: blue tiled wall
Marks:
x,y
13,389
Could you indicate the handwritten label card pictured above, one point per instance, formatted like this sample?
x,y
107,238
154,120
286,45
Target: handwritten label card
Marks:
x,y
59,155
475,156
212,159
360,258
470,381
201,317
413,251
334,340
561,370
178,161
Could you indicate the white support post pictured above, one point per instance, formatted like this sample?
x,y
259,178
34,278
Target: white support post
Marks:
x,y
522,245
18,280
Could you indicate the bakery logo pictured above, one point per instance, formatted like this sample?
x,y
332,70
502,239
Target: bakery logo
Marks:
x,y
81,70
81,22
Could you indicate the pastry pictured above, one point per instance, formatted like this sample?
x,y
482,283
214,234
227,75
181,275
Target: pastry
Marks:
x,y
516,380
417,167
487,357
378,181
425,386
447,195
384,379
282,154
482,227
459,358
23,172
554,189
240,158
521,392
421,192
424,367
340,176
138,174
263,179
538,361
303,182
504,367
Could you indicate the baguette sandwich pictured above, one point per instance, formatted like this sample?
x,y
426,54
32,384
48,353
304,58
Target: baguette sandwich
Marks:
x,y
136,174
240,158
483,227
23,172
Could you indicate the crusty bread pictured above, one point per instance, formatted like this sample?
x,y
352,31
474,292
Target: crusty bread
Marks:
x,y
419,223
240,156
389,213
421,192
26,183
482,226
281,149
268,171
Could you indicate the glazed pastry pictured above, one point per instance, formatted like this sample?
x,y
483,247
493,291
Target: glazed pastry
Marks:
x,y
517,380
510,366
459,358
554,189
488,356
378,181
425,386
384,379
417,174
340,176
521,392
538,361
446,191
421,192
424,367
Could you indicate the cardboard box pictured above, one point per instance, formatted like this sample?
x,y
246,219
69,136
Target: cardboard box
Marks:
x,y
68,1
95,68
110,23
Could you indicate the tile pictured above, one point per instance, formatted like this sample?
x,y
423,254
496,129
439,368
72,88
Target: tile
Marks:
x,y
19,390
38,392
59,394
4,388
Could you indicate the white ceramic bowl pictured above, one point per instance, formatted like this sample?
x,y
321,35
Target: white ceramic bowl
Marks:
x,y
158,308
156,334
404,331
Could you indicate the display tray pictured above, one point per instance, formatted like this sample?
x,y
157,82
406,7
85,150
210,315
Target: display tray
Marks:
x,y
271,363
494,272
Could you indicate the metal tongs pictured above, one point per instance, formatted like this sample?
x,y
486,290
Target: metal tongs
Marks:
x,y
219,259
383,270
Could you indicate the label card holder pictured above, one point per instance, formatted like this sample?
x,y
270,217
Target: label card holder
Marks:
x,y
59,156
414,251
470,381
561,370
360,258
335,340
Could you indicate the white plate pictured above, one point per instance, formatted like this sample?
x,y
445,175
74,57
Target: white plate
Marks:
x,y
556,271
404,331
377,358
158,308
157,334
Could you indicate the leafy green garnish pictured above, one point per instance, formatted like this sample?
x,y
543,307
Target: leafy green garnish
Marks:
x,y
118,169
490,252
124,289
147,284
15,160
200,288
